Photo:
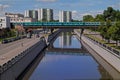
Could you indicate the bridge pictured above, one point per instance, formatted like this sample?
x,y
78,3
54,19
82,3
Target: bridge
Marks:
x,y
58,24
71,50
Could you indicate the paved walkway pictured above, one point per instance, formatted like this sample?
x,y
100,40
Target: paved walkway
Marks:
x,y
106,55
8,51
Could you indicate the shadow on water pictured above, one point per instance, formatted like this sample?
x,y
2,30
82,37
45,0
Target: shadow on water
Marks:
x,y
30,69
67,59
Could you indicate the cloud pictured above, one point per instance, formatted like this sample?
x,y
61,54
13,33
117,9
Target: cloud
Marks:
x,y
47,0
79,15
4,6
76,15
2,9
116,6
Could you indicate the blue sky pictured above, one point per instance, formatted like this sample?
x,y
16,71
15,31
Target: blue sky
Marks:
x,y
78,7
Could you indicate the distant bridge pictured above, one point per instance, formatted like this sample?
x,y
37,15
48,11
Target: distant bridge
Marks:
x,y
58,24
73,50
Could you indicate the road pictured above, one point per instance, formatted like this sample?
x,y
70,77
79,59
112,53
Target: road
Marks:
x,y
10,50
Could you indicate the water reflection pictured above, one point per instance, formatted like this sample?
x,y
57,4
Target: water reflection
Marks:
x,y
104,73
59,63
66,40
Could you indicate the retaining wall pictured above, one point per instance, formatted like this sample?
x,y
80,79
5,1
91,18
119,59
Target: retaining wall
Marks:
x,y
107,55
13,68
53,36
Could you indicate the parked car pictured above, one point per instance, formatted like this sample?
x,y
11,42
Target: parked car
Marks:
x,y
4,41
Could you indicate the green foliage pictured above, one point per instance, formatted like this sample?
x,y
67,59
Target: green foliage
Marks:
x,y
110,14
117,18
6,32
99,18
88,18
114,32
108,30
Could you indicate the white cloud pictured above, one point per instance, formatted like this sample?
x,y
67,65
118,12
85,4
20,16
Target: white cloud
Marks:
x,y
116,6
79,15
3,7
74,12
47,0
76,15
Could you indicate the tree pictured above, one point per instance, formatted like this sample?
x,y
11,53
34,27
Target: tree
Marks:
x,y
99,18
88,18
114,32
104,30
19,29
109,14
117,15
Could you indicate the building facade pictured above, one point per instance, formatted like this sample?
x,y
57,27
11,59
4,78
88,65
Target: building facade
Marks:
x,y
15,15
31,14
45,14
65,16
19,18
22,19
4,22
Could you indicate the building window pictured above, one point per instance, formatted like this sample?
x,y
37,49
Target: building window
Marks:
x,y
0,20
0,25
3,20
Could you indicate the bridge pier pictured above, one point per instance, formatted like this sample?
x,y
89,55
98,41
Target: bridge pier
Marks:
x,y
52,29
82,30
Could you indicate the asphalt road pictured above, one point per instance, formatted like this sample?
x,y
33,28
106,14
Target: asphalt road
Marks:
x,y
10,50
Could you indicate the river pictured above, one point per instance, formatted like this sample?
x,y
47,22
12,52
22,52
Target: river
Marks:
x,y
67,59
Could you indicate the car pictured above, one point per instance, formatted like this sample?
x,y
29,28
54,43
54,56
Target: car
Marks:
x,y
4,41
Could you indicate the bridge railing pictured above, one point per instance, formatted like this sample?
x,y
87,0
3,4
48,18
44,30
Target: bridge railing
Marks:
x,y
58,23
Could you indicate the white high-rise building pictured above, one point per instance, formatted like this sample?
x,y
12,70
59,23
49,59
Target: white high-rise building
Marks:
x,y
49,14
45,14
65,16
31,14
69,16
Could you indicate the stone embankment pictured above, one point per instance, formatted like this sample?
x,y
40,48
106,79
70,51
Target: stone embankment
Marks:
x,y
108,59
14,67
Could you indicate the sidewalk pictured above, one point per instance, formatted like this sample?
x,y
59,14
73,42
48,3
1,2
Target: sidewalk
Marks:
x,y
106,55
15,51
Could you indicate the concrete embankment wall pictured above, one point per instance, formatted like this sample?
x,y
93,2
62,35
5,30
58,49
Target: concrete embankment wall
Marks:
x,y
107,59
53,36
13,68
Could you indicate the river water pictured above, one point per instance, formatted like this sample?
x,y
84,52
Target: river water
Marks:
x,y
67,59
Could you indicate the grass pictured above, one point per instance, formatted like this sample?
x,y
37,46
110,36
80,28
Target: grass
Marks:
x,y
7,38
104,42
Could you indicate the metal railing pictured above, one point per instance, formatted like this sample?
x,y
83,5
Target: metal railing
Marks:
x,y
108,48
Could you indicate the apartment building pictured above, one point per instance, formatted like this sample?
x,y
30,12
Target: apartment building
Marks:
x,y
16,17
45,14
31,14
65,16
4,22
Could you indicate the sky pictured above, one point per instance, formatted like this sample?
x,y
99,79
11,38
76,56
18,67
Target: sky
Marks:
x,y
79,8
